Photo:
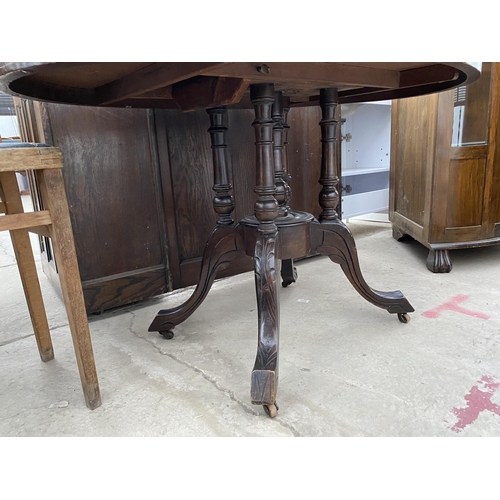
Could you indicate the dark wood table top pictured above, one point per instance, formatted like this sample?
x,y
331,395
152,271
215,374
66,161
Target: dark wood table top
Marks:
x,y
193,85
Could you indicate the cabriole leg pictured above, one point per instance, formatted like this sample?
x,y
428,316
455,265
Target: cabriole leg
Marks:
x,y
332,237
225,242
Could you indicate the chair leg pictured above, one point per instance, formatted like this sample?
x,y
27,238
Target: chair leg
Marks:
x,y
27,268
54,199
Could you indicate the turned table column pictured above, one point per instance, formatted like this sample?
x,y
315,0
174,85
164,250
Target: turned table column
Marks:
x,y
265,371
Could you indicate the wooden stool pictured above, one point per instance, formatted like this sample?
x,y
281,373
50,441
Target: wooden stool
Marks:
x,y
54,223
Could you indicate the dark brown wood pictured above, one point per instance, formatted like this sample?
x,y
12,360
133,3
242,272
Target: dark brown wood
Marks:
x,y
334,240
444,196
224,245
304,158
274,232
278,154
329,196
265,370
223,201
427,75
152,77
438,261
286,174
206,91
288,272
280,116
264,382
110,176
125,84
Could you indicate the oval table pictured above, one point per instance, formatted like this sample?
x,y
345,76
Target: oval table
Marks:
x,y
274,234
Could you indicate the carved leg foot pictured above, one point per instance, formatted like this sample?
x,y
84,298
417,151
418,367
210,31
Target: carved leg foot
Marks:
x,y
288,273
223,246
438,261
334,240
265,371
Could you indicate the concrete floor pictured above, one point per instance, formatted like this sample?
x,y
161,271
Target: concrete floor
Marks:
x,y
347,368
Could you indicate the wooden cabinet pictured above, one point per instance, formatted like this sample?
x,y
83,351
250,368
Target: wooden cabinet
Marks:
x,y
445,168
139,186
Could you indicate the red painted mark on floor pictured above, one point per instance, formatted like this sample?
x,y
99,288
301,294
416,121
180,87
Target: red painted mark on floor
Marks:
x,y
478,400
452,305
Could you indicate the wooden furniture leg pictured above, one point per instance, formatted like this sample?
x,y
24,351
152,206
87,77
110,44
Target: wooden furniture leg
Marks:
x,y
9,192
288,272
281,176
54,199
439,261
265,372
334,240
225,242
331,237
223,246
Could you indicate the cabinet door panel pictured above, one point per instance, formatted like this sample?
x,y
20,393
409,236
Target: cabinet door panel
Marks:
x,y
465,192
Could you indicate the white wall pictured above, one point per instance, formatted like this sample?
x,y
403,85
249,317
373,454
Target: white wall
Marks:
x,y
8,126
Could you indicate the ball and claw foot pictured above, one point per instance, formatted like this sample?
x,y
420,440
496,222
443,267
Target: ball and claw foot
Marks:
x,y
404,317
271,410
167,334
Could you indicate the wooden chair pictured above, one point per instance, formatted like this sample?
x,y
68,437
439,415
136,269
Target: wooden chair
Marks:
x,y
54,223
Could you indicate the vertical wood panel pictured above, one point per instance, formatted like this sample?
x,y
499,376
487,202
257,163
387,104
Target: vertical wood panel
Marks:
x,y
192,179
241,149
304,153
437,196
110,189
465,192
413,152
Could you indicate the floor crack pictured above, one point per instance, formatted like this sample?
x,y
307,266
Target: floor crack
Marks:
x,y
11,341
246,407
17,339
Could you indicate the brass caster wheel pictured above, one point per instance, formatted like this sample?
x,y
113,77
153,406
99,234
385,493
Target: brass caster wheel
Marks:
x,y
404,317
167,334
271,410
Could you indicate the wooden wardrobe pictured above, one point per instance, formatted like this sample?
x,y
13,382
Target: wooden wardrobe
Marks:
x,y
445,168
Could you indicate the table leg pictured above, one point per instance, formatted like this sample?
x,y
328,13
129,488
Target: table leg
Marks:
x,y
288,272
265,371
331,237
334,240
283,194
225,242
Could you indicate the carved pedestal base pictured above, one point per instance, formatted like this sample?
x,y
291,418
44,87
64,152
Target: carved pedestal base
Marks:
x,y
274,233
295,237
